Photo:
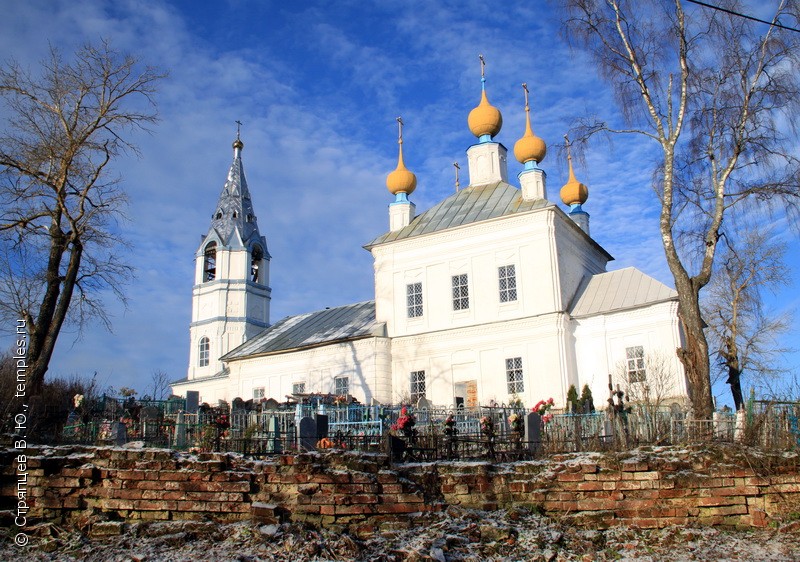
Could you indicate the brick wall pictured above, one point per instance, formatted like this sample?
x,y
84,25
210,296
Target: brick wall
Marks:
x,y
648,488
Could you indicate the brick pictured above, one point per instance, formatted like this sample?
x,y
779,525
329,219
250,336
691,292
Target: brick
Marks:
x,y
363,498
387,478
650,475
155,505
596,505
726,510
395,508
720,500
174,475
133,475
570,477
353,509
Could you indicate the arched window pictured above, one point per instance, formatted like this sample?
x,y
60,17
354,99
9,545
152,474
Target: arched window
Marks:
x,y
204,350
210,263
256,256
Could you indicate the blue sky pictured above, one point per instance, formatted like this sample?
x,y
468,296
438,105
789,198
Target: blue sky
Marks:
x,y
318,87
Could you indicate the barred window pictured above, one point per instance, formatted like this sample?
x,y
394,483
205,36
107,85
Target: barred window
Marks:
x,y
299,388
460,292
258,393
341,386
204,348
516,384
635,359
417,385
507,277
414,299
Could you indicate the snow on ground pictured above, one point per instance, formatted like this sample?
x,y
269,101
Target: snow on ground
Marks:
x,y
455,535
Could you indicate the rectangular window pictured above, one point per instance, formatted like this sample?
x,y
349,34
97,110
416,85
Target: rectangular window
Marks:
x,y
299,388
635,360
417,385
414,299
507,277
516,384
341,386
258,393
460,292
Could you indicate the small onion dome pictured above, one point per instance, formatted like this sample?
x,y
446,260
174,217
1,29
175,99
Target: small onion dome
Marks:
x,y
529,147
485,119
238,144
401,180
573,192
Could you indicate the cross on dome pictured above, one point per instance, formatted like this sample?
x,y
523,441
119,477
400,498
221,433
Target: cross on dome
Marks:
x,y
530,149
485,120
401,180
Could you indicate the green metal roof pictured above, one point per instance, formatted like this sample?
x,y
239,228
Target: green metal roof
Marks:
x,y
323,327
470,205
618,290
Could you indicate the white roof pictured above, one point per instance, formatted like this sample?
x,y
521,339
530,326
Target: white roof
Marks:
x,y
619,290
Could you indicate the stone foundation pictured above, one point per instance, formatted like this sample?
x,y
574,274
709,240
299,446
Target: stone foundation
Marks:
x,y
363,492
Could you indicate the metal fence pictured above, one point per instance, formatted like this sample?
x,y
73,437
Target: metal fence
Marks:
x,y
355,426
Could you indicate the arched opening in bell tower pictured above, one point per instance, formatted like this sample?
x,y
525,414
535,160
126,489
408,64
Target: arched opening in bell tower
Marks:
x,y
256,265
210,262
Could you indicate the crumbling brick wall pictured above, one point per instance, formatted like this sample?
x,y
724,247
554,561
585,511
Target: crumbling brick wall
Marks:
x,y
647,488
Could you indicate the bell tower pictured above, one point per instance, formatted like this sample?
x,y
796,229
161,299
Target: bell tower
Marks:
x,y
231,293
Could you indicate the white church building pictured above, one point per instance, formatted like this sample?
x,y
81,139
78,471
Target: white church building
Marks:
x,y
493,294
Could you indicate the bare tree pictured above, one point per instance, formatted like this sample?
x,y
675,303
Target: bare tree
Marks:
x,y
60,204
159,385
650,385
743,336
717,93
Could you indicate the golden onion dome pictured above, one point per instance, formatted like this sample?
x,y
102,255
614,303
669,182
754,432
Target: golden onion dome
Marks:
x,y
529,147
238,144
573,192
401,180
485,119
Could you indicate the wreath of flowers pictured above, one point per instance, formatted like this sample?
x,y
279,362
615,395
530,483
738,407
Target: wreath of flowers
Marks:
x,y
405,422
487,426
450,425
542,408
516,423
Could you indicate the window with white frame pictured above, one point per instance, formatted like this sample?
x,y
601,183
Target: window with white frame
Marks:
x,y
460,292
414,299
507,279
417,385
299,388
516,384
204,350
635,364
258,393
341,386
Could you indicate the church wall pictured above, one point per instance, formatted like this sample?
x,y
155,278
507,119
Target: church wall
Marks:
x,y
452,359
601,342
364,362
211,391
576,258
477,250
